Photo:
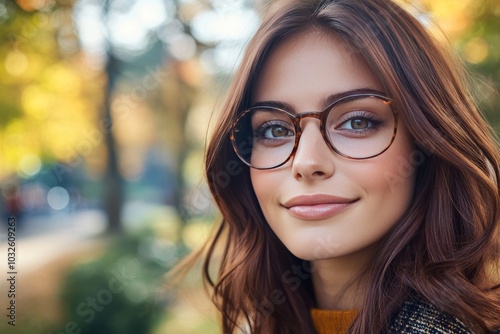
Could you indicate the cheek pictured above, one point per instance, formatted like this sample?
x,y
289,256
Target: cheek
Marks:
x,y
392,179
268,185
265,185
388,180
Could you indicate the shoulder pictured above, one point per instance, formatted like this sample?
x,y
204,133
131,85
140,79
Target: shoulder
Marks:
x,y
417,316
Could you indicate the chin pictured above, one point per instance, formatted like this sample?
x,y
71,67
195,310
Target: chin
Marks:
x,y
321,248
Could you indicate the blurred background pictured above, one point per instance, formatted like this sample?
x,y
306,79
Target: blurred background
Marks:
x,y
104,110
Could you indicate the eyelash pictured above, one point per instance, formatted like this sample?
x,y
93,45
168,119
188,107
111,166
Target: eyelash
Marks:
x,y
375,121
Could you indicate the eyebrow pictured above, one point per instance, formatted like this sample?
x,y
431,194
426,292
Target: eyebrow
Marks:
x,y
324,102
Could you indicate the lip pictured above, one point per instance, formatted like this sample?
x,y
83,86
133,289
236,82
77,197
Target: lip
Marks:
x,y
317,207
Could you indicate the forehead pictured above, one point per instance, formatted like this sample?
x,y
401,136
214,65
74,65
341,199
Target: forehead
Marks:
x,y
304,69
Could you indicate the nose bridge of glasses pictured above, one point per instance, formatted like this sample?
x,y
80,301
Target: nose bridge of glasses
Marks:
x,y
312,114
318,115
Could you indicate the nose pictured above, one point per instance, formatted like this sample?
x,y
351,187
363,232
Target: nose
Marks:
x,y
313,158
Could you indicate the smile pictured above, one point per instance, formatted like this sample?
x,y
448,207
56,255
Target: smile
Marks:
x,y
316,207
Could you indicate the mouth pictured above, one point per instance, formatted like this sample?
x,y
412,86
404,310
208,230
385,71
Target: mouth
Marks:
x,y
317,207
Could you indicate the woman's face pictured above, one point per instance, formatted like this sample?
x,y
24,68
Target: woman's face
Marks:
x,y
320,204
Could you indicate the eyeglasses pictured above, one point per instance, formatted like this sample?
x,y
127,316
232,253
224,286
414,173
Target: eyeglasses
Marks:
x,y
357,126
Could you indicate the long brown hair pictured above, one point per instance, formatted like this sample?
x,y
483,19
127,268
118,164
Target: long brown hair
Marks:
x,y
444,249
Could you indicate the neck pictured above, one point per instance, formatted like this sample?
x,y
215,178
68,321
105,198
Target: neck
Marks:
x,y
339,283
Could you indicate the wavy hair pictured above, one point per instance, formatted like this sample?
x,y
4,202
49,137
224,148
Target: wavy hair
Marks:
x,y
445,247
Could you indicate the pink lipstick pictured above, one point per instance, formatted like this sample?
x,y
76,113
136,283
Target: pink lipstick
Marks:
x,y
317,207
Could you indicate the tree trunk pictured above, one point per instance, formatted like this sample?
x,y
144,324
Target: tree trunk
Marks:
x,y
113,181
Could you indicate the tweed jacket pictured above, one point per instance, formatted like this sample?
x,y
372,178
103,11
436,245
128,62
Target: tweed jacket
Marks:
x,y
419,317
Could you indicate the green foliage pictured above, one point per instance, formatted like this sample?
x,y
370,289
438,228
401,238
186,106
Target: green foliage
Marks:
x,y
482,41
44,105
117,293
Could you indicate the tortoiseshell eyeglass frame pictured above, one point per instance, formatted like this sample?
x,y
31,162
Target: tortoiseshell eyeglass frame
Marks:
x,y
322,116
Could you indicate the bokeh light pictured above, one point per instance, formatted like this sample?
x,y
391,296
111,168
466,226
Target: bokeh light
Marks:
x,y
476,50
30,164
58,198
16,63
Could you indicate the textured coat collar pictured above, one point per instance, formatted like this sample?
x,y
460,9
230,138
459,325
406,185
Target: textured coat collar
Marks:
x,y
419,317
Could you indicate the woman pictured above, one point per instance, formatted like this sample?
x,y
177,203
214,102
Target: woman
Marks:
x,y
360,189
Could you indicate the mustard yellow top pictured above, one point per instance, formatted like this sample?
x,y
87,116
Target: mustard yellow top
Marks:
x,y
332,322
